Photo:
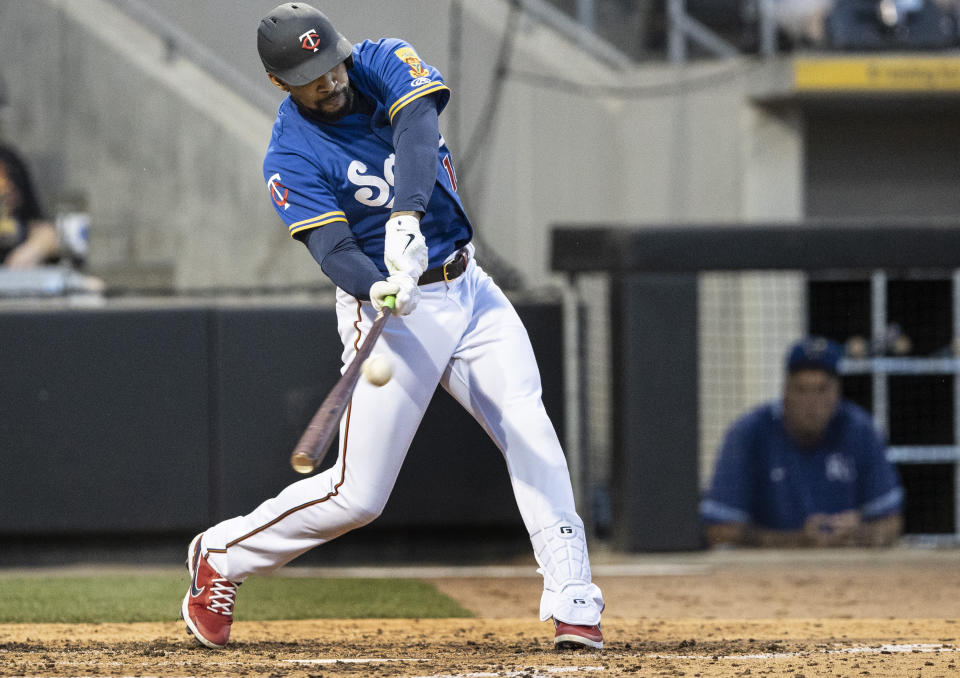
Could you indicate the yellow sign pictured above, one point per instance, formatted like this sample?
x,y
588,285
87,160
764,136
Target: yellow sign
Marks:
x,y
877,74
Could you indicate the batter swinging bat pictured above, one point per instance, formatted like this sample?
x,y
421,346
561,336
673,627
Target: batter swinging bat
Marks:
x,y
315,440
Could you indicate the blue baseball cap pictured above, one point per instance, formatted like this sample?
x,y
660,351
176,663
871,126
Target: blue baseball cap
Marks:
x,y
814,353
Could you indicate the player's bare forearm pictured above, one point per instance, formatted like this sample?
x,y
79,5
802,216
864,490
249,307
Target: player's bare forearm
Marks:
x,y
880,532
741,534
725,534
833,529
782,539
41,244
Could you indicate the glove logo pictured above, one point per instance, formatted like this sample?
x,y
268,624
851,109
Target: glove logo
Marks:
x,y
310,40
566,531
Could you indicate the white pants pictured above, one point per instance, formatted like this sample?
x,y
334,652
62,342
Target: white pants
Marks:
x,y
466,336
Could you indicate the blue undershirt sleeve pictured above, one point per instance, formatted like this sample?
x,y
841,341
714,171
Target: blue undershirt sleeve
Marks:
x,y
341,259
416,135
879,492
729,497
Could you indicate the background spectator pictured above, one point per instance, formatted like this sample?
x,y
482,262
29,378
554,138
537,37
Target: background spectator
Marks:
x,y
809,470
27,238
803,20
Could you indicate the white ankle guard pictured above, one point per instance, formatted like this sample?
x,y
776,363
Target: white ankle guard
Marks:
x,y
568,594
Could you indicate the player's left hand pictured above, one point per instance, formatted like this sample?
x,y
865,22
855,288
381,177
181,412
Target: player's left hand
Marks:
x,y
402,287
832,529
408,294
404,248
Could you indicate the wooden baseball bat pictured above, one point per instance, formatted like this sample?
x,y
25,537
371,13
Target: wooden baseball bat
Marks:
x,y
315,440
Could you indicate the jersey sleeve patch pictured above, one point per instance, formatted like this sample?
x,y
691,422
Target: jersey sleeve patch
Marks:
x,y
317,221
410,58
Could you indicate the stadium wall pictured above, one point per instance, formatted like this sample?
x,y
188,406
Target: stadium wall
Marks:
x,y
164,417
168,159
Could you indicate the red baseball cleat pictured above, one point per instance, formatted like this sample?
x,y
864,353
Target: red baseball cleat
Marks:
x,y
573,637
208,606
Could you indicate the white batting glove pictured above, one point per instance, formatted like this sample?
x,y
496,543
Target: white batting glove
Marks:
x,y
404,249
403,287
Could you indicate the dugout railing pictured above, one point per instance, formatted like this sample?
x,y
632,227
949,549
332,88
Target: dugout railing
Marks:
x,y
664,310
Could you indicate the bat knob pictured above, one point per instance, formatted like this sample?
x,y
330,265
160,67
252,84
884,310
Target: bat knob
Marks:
x,y
301,462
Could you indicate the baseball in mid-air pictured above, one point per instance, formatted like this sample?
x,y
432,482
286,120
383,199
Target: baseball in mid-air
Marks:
x,y
377,369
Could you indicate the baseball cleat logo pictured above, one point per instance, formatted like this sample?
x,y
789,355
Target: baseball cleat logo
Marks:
x,y
310,40
278,192
195,568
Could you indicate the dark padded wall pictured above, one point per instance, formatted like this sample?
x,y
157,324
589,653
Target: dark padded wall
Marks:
x,y
104,421
141,421
274,368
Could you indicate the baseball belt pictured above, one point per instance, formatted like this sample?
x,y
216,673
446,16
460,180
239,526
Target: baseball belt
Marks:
x,y
448,271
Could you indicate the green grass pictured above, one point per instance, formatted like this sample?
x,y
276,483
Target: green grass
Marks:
x,y
140,598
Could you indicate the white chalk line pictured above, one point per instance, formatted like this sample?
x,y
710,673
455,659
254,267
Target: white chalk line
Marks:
x,y
490,571
536,671
879,649
356,660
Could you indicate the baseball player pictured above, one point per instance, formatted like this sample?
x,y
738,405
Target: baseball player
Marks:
x,y
808,471
358,171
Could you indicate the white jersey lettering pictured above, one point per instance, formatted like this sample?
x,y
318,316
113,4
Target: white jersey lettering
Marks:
x,y
357,175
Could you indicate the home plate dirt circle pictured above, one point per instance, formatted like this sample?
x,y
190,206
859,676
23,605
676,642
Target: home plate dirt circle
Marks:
x,y
488,647
872,613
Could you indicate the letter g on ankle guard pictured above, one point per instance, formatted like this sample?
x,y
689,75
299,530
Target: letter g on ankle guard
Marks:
x,y
568,594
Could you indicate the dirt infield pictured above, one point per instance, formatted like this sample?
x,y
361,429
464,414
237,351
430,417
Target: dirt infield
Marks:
x,y
785,614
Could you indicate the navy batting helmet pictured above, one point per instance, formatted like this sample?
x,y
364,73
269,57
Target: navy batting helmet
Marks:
x,y
814,353
297,43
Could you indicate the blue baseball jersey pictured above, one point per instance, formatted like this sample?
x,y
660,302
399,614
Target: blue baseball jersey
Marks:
x,y
322,173
763,478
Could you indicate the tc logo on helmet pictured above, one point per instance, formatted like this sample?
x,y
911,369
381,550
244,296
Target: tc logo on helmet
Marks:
x,y
310,40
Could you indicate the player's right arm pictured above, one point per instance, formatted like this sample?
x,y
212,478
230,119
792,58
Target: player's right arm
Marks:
x,y
309,208
880,494
336,250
